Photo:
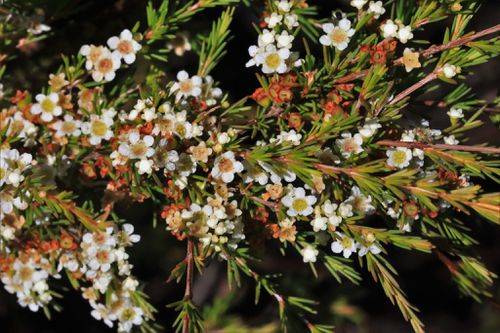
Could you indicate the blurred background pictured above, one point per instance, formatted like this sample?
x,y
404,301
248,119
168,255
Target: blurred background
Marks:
x,y
350,308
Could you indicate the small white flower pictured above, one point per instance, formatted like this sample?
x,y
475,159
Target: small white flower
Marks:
x,y
369,128
337,36
125,46
47,106
39,29
363,249
298,202
144,166
99,128
358,3
137,147
319,223
309,253
376,8
283,6
389,29
273,20
350,144
67,127
225,166
344,245
186,86
450,71
266,37
223,138
360,202
399,157
405,34
455,113
273,59
284,40
291,21
450,140
345,209
105,67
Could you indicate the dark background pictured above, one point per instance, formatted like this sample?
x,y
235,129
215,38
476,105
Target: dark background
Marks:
x,y
423,277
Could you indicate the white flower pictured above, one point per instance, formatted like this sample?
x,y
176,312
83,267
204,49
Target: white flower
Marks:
x,y
225,166
450,140
405,34
273,59
223,138
125,46
345,209
128,317
68,127
99,128
12,165
329,209
137,148
399,157
455,113
349,144
291,21
369,128
104,68
344,245
284,40
450,71
298,202
291,136
363,249
101,312
47,106
360,202
186,86
283,6
337,36
39,29
144,166
389,29
319,223
266,37
376,8
309,253
358,3
273,20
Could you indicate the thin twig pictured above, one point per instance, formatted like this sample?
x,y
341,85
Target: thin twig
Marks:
x,y
408,91
188,294
423,146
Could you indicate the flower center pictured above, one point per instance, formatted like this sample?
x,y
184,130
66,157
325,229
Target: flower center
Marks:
x,y
186,86
3,173
399,157
48,106
226,165
105,65
95,54
346,242
349,145
99,128
102,256
299,205
138,149
125,47
338,35
68,127
273,60
25,273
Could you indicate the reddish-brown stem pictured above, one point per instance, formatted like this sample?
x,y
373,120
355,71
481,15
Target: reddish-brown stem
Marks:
x,y
428,52
189,282
423,146
408,91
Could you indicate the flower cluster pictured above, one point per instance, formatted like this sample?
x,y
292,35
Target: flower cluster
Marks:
x,y
324,157
272,51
